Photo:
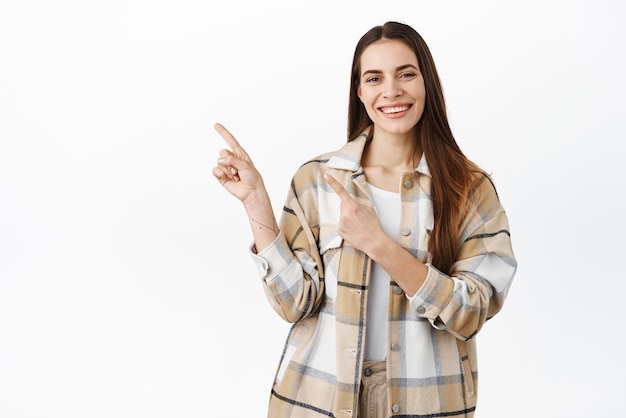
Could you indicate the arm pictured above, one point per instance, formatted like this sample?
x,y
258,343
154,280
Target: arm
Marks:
x,y
236,172
291,267
360,226
287,258
482,274
475,289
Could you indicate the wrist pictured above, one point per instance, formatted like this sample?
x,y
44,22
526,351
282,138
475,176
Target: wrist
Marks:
x,y
262,220
380,246
257,201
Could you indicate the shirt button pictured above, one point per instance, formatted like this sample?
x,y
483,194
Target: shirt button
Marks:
x,y
408,184
367,372
395,408
395,347
421,310
406,231
397,290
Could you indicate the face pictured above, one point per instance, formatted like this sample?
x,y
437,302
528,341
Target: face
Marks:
x,y
391,86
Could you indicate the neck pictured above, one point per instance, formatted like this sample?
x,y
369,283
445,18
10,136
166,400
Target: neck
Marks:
x,y
398,152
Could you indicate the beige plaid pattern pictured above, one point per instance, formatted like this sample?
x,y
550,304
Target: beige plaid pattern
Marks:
x,y
320,284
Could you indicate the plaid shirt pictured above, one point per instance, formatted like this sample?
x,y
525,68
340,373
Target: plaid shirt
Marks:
x,y
320,283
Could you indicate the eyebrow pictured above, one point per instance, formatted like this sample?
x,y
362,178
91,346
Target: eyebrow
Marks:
x,y
400,68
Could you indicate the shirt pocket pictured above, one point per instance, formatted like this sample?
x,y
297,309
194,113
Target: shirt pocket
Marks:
x,y
466,368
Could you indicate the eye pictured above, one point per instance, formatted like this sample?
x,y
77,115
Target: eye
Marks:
x,y
407,76
373,79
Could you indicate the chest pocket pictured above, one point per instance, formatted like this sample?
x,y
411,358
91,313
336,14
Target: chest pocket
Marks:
x,y
330,244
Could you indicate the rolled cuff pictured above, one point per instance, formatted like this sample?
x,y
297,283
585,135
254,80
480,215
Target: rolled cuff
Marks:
x,y
432,296
270,262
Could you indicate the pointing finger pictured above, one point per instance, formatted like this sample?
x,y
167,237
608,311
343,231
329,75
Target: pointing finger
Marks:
x,y
228,137
338,188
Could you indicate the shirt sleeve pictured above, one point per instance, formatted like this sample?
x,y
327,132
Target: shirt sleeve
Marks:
x,y
290,266
480,278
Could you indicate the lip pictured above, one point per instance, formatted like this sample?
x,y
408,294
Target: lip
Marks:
x,y
395,110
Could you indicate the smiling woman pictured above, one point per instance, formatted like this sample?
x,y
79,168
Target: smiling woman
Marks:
x,y
392,92
390,254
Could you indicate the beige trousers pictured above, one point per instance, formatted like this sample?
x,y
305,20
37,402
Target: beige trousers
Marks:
x,y
373,398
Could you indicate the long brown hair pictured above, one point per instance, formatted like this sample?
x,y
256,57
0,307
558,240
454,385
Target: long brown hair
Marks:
x,y
452,172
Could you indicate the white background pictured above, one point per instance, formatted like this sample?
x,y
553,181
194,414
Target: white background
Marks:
x,y
125,285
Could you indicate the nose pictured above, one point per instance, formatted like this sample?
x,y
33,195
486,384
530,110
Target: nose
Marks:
x,y
392,89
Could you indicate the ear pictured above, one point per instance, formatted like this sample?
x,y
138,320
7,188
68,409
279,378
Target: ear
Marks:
x,y
358,93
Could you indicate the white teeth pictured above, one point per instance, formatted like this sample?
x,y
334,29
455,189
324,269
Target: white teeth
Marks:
x,y
394,109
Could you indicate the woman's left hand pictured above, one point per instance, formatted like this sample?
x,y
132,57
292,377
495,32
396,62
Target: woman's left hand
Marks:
x,y
358,224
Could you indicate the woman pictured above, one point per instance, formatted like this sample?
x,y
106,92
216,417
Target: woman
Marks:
x,y
391,253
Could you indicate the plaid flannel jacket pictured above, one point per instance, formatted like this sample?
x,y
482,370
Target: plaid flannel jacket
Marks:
x,y
320,283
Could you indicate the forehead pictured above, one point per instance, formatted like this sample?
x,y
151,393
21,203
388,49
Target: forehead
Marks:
x,y
387,53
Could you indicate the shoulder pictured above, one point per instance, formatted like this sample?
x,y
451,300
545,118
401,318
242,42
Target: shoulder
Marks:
x,y
482,182
321,159
316,166
342,163
482,197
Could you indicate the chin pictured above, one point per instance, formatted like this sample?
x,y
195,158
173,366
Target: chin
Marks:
x,y
398,128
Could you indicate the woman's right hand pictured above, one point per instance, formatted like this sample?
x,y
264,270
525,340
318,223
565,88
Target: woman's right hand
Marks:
x,y
238,175
235,170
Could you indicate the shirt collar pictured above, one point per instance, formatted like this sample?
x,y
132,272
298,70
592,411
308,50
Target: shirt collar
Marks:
x,y
349,156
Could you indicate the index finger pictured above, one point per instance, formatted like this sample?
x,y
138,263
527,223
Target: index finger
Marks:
x,y
338,188
228,137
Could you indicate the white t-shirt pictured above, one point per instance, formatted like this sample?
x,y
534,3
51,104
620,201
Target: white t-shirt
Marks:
x,y
388,208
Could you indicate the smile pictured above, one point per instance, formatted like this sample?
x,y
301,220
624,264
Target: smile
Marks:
x,y
395,109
